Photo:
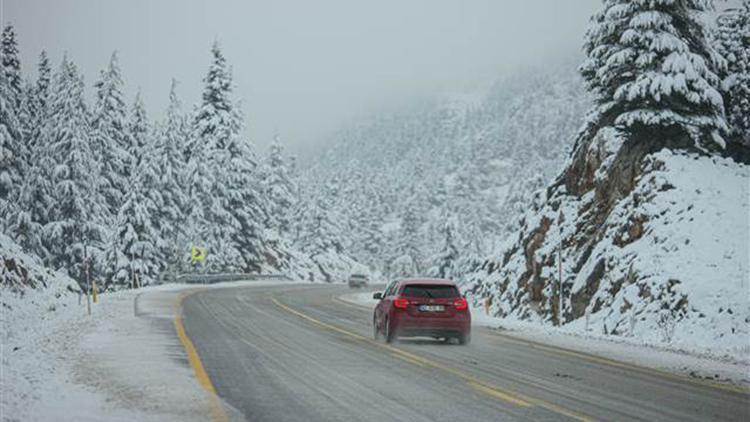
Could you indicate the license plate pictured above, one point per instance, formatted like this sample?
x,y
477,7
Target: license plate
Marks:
x,y
431,308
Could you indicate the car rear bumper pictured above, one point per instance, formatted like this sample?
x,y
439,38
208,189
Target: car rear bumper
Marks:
x,y
410,326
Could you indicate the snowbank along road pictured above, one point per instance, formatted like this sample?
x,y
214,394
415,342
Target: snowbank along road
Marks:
x,y
299,353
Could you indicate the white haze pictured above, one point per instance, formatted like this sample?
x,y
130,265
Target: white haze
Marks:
x,y
302,68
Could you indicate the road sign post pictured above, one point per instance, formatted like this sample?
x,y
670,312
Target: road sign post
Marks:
x,y
198,254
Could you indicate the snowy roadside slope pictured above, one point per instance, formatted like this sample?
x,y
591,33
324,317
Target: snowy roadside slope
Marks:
x,y
65,364
124,362
59,363
691,261
669,264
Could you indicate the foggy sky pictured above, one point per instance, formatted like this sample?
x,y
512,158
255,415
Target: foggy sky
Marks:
x,y
302,68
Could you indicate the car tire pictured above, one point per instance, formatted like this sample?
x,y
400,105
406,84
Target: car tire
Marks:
x,y
389,334
375,330
464,339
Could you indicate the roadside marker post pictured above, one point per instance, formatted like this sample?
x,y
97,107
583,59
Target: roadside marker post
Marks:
x,y
87,276
132,270
560,274
94,291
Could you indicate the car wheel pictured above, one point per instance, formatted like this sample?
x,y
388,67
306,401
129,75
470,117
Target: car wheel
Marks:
x,y
464,339
375,330
389,334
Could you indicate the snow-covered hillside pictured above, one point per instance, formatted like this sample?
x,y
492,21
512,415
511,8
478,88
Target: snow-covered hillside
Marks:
x,y
391,184
645,232
101,189
669,263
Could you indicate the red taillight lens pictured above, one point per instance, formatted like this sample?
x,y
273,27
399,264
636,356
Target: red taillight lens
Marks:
x,y
401,302
461,304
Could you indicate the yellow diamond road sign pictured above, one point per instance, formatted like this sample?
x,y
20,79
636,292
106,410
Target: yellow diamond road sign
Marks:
x,y
198,253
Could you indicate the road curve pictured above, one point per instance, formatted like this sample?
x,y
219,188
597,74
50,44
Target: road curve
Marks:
x,y
297,353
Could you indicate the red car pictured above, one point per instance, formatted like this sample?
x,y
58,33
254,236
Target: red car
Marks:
x,y
422,308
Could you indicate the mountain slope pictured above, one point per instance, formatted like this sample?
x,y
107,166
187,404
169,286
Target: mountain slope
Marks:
x,y
394,181
668,263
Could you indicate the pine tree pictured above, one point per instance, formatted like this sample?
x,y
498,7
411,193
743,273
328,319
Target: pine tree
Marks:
x,y
232,206
318,230
10,153
138,259
217,117
76,214
11,65
37,99
409,239
169,167
199,181
34,196
733,43
110,143
138,132
651,68
446,260
279,189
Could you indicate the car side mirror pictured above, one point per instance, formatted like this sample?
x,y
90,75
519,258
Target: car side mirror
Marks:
x,y
378,296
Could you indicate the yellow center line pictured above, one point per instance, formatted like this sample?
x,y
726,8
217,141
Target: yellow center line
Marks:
x,y
498,394
489,389
408,359
215,407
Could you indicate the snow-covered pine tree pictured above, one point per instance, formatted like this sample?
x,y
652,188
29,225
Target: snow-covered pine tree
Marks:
x,y
445,261
653,71
169,166
733,43
37,105
110,143
10,154
11,65
138,259
138,132
76,213
408,244
279,189
318,231
371,242
34,196
217,118
42,87
199,181
233,210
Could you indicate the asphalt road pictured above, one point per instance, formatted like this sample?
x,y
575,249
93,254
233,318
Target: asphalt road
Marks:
x,y
297,353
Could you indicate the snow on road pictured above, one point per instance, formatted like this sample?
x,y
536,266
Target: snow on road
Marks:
x,y
695,362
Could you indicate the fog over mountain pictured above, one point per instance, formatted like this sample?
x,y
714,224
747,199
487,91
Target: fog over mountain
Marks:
x,y
303,69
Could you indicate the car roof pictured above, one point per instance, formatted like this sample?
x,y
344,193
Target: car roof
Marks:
x,y
425,281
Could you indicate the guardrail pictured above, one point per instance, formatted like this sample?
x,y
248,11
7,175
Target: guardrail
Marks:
x,y
218,278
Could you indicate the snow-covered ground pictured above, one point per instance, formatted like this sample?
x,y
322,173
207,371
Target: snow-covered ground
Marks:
x,y
68,363
57,360
693,363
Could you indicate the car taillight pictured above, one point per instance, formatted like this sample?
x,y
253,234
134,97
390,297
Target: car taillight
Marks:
x,y
460,304
401,302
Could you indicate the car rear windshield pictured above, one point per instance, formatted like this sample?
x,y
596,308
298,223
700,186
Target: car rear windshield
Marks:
x,y
431,291
358,276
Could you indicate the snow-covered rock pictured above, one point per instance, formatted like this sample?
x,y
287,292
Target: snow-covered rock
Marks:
x,y
667,263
